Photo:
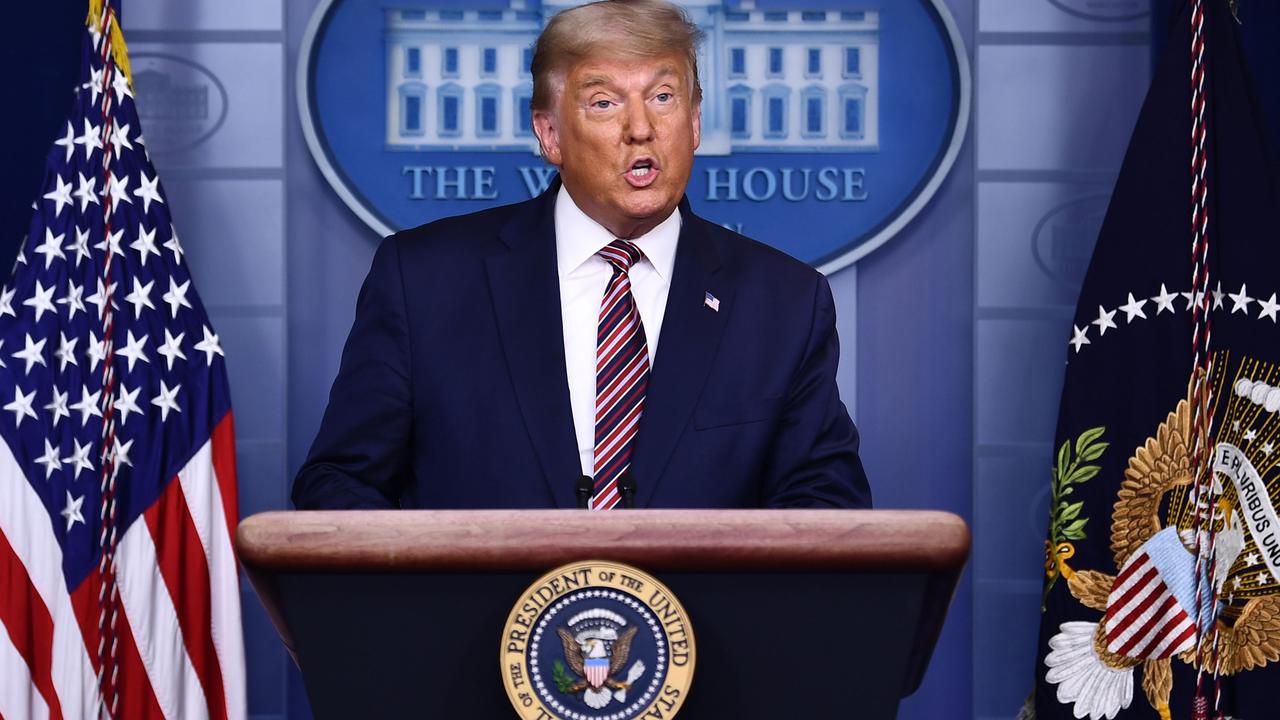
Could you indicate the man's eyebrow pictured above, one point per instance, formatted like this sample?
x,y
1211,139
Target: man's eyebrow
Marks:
x,y
663,72
595,81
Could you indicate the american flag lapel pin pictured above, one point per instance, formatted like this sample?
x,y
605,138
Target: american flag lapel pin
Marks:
x,y
712,302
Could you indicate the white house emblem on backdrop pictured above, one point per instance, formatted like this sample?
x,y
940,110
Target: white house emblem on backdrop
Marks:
x,y
460,81
825,128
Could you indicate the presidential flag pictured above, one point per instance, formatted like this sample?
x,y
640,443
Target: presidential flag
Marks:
x,y
1162,572
119,592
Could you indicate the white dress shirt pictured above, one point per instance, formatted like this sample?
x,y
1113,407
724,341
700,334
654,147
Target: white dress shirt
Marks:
x,y
583,277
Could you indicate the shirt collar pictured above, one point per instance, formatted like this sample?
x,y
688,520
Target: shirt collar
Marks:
x,y
578,238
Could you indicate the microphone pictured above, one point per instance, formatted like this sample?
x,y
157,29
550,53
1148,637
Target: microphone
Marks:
x,y
627,488
584,489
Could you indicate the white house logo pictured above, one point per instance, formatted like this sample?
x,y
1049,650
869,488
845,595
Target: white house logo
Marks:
x,y
825,130
1062,241
181,103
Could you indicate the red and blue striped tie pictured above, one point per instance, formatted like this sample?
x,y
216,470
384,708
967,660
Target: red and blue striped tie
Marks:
x,y
622,375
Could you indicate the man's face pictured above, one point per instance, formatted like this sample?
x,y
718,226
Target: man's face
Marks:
x,y
623,132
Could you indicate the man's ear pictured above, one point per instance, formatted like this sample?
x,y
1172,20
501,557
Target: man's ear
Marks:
x,y
548,132
697,124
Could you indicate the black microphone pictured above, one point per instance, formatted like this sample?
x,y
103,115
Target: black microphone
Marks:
x,y
586,486
627,487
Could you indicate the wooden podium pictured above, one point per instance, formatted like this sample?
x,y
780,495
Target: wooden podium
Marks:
x,y
812,613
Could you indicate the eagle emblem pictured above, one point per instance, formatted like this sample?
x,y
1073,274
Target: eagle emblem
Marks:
x,y
1148,608
597,645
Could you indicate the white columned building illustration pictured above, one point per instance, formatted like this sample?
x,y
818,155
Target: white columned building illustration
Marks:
x,y
773,80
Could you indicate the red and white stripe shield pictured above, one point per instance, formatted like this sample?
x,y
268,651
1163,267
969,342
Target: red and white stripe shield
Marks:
x,y
1148,612
597,671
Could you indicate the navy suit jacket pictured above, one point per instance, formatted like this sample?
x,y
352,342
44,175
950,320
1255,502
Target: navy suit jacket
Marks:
x,y
452,391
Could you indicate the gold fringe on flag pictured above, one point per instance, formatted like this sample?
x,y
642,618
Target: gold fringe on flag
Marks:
x,y
118,49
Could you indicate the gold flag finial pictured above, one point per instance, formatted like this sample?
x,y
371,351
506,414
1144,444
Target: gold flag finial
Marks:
x,y
119,52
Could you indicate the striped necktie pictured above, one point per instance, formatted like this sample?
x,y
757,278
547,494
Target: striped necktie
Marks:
x,y
622,375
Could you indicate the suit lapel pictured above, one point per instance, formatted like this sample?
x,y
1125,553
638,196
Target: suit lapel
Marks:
x,y
691,334
526,299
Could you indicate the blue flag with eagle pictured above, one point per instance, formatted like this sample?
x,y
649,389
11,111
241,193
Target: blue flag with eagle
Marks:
x,y
1162,588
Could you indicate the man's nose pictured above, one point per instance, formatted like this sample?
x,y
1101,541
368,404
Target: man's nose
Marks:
x,y
639,126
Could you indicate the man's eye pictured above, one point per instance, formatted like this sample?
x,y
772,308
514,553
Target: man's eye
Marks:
x,y
602,104
664,97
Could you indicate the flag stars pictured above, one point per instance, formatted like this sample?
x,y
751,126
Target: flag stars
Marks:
x,y
167,400
41,300
33,353
1268,308
97,351
1164,301
1264,577
99,298
120,84
1240,301
58,406
49,459
119,137
148,191
146,243
111,245
1104,321
173,244
66,352
133,350
6,302
1266,449
121,452
68,142
60,195
1251,559
91,139
1079,337
88,405
1193,301
21,407
118,189
177,296
94,86
72,512
140,297
86,191
172,348
1250,435
79,460
80,247
51,247
210,347
1133,309
127,403
73,300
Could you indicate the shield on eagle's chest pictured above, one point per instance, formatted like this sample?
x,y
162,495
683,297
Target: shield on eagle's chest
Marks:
x,y
1147,612
597,671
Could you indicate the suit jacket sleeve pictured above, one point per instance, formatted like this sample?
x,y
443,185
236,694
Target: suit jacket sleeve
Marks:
x,y
361,455
814,461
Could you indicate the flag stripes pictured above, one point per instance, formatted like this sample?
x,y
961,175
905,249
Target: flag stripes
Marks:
x,y
178,641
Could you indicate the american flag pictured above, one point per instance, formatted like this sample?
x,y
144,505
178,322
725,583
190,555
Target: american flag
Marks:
x,y
119,593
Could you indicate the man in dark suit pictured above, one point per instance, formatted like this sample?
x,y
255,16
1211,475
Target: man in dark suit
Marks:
x,y
509,358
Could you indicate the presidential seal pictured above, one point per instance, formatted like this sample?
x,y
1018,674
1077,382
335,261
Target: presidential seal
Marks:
x,y
1147,609
597,641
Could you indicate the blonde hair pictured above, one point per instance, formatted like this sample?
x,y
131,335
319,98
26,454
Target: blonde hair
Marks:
x,y
627,28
